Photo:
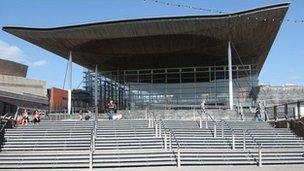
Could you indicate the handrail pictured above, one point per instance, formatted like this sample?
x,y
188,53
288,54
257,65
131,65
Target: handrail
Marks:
x,y
171,132
288,103
94,134
91,150
302,123
6,121
4,116
210,116
253,138
92,142
2,134
201,112
172,136
246,131
227,125
95,128
3,126
258,147
151,114
232,133
153,117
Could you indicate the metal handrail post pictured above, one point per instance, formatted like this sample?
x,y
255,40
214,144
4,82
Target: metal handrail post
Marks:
x,y
233,141
178,158
163,127
260,155
214,130
165,141
149,122
95,131
156,129
160,131
91,160
200,123
206,126
252,137
244,140
93,138
170,141
232,132
91,150
93,144
222,129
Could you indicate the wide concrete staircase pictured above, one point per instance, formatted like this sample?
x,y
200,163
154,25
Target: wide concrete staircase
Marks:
x,y
60,144
127,143
235,142
147,143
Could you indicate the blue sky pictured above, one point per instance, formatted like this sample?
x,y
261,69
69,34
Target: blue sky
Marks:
x,y
285,62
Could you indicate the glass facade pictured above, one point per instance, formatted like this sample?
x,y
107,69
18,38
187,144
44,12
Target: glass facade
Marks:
x,y
7,108
172,88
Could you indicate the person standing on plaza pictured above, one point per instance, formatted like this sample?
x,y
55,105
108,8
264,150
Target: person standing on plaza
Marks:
x,y
111,109
203,107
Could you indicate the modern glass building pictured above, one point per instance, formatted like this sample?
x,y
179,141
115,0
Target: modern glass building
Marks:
x,y
167,62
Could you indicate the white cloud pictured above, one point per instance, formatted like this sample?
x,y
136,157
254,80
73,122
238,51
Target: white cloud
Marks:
x,y
39,63
14,53
10,52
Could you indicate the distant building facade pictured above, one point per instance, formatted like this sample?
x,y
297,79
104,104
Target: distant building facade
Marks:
x,y
81,100
12,68
17,91
277,95
58,99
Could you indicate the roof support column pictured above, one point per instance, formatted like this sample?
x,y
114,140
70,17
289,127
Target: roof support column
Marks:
x,y
230,85
70,83
96,95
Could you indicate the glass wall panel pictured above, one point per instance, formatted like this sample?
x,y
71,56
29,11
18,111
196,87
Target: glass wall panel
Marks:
x,y
174,88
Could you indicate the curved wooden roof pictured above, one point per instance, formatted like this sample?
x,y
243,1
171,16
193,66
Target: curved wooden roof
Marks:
x,y
163,42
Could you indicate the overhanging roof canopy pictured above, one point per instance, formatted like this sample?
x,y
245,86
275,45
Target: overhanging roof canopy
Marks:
x,y
24,100
163,42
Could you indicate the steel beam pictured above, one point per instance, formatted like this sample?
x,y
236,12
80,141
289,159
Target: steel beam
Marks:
x,y
96,95
70,83
230,77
